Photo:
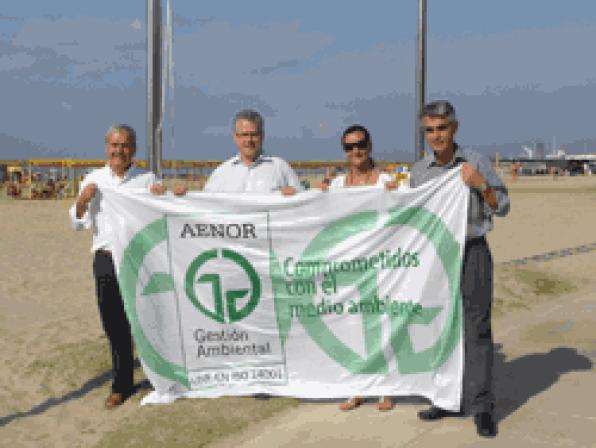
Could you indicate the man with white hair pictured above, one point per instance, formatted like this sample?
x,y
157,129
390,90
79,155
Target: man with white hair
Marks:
x,y
488,197
89,211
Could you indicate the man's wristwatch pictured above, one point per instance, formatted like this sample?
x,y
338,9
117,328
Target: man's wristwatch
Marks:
x,y
483,187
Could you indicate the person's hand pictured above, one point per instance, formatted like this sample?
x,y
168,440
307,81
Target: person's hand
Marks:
x,y
475,180
391,185
471,177
180,190
88,193
85,197
157,189
288,191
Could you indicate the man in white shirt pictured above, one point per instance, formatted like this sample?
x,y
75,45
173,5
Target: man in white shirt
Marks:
x,y
251,170
89,210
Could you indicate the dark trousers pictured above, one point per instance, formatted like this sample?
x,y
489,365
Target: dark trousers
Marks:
x,y
114,321
477,294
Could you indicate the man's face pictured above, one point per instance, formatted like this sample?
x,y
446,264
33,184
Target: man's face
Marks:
x,y
119,150
357,149
248,139
439,133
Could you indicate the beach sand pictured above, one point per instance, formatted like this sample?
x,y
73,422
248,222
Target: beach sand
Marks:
x,y
54,364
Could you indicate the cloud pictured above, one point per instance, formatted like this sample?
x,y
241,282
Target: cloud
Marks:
x,y
308,86
185,22
547,59
32,63
218,55
86,47
278,66
4,18
16,148
18,61
66,119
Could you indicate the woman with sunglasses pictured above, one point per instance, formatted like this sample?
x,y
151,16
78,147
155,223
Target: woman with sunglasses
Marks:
x,y
357,145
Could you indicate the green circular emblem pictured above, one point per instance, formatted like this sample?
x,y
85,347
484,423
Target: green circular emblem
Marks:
x,y
230,297
448,251
132,259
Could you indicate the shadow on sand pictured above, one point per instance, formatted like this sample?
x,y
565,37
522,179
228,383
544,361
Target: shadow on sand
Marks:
x,y
518,380
515,382
93,383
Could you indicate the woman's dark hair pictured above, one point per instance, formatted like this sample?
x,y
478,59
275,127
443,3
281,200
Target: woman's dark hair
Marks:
x,y
357,128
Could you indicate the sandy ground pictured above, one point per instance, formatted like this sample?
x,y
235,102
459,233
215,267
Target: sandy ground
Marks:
x,y
54,360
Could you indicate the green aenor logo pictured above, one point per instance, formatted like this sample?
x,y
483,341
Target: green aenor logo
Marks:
x,y
448,251
234,314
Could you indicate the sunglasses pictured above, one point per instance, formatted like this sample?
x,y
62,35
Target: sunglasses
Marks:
x,y
431,129
362,144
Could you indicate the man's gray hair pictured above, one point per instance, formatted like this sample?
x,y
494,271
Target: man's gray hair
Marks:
x,y
250,115
119,127
441,108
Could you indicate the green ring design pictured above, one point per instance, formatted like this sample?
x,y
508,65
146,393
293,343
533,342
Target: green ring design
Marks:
x,y
134,254
448,250
233,314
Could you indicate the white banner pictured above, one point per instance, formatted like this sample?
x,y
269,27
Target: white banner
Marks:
x,y
321,295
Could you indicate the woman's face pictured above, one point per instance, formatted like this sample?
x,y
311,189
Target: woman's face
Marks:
x,y
357,149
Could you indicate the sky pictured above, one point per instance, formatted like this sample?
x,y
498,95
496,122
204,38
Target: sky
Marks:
x,y
519,72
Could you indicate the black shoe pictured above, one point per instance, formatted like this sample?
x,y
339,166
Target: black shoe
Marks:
x,y
435,413
485,424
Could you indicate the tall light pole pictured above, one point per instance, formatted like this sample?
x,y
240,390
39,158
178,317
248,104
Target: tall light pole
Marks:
x,y
420,78
154,93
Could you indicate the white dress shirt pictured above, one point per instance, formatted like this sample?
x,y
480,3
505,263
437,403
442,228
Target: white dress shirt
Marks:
x,y
340,181
264,175
96,215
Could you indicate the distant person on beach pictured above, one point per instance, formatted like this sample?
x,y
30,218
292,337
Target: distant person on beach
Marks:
x,y
488,197
357,145
554,172
89,210
515,168
252,170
